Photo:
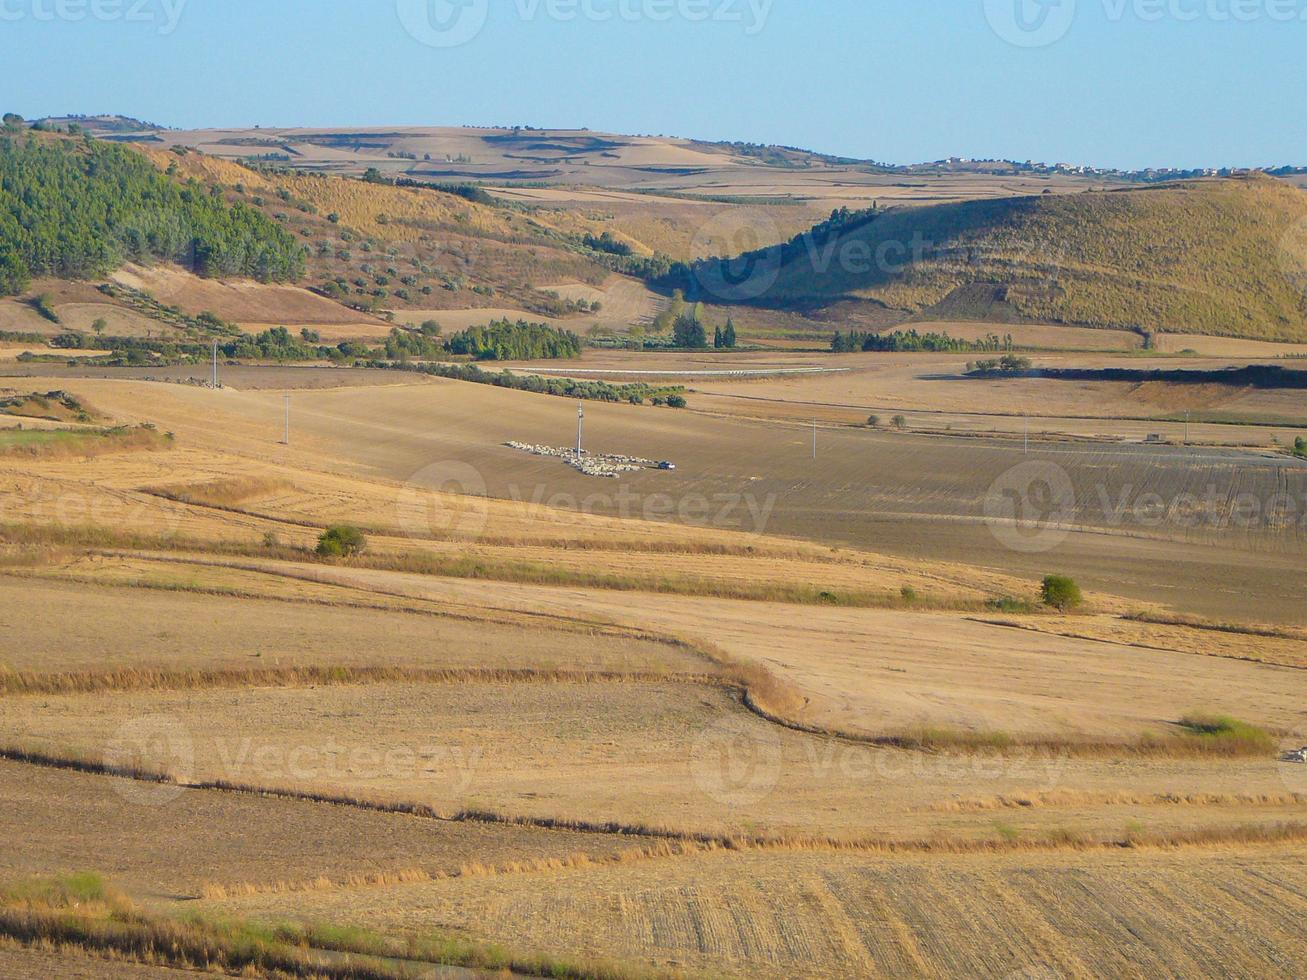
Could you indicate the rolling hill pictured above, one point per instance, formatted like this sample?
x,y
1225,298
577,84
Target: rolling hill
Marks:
x,y
1226,257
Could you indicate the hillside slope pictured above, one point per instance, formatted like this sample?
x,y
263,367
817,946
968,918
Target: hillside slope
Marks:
x,y
1223,257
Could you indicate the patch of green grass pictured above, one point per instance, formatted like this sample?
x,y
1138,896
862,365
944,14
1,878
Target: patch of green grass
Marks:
x,y
16,438
1006,831
82,911
1224,735
1011,604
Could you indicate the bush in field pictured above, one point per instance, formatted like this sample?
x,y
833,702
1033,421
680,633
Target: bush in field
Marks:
x,y
1300,447
873,421
900,422
1062,593
675,401
342,541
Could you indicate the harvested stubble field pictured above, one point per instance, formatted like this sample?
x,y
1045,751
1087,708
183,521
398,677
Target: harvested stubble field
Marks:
x,y
247,622
835,771
634,753
166,843
904,494
805,915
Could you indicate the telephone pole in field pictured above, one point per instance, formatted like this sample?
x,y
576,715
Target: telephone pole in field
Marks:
x,y
580,428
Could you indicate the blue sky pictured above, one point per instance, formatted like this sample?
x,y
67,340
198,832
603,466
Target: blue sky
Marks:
x,y
1127,83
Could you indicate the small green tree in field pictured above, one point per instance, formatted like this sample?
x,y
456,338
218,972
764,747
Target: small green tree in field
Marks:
x,y
900,422
1062,593
873,421
1300,447
342,541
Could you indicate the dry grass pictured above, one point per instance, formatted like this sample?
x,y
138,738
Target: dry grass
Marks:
x,y
310,676
80,443
1071,798
1235,912
483,568
80,911
225,493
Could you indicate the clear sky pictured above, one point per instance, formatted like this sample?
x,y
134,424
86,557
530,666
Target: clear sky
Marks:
x,y
1127,83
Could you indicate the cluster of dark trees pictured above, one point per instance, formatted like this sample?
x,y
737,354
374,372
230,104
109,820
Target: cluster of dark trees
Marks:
x,y
504,340
911,340
77,209
423,343
687,277
606,243
1007,364
689,327
564,387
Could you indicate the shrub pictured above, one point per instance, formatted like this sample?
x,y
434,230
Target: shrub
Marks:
x,y
1010,604
342,541
1300,447
675,401
1062,593
900,422
1225,735
909,594
44,304
873,421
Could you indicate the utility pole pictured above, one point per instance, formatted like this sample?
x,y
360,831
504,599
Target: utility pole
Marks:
x,y
814,438
214,383
1186,427
580,428
287,439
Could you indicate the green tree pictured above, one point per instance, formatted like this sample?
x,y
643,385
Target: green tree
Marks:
x,y
1062,593
728,335
342,541
689,332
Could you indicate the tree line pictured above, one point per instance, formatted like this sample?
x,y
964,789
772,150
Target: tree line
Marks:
x,y
911,340
504,340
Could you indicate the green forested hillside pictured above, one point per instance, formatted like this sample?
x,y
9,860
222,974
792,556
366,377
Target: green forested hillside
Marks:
x,y
76,209
1224,257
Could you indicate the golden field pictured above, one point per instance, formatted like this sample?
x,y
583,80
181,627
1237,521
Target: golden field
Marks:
x,y
541,727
